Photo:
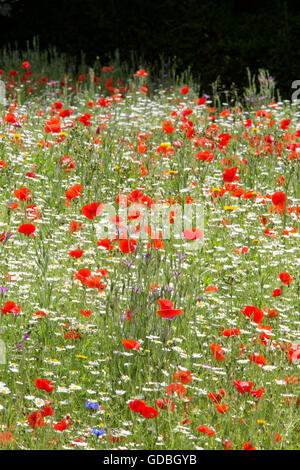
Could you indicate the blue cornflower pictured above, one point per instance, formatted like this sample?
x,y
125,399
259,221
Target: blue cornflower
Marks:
x,y
98,432
92,405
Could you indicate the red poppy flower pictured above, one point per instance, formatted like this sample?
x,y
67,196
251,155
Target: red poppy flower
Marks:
x,y
201,101
211,289
272,313
74,226
206,156
165,404
192,234
76,253
88,313
168,127
222,408
131,344
285,278
32,212
178,388
115,438
127,245
44,384
74,191
85,119
278,199
67,164
116,219
92,209
81,78
23,194
231,332
277,437
14,205
83,274
216,398
65,113
149,412
217,352
105,243
184,90
39,314
11,307
248,195
57,105
166,309
250,310
95,282
27,229
72,335
228,445
248,446
285,124
186,421
229,175
47,410
294,354
35,419
62,425
277,292
141,73
137,405
53,125
258,393
206,430
244,249
243,386
11,118
183,376
259,359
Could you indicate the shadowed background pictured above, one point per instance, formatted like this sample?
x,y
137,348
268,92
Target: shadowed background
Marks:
x,y
214,38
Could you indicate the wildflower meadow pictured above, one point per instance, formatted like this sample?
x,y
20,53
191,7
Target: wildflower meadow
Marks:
x,y
149,243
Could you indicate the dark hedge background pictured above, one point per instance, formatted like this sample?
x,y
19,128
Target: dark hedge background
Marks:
x,y
215,38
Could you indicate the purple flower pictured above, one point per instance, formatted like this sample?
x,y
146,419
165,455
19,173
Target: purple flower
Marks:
x,y
206,365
